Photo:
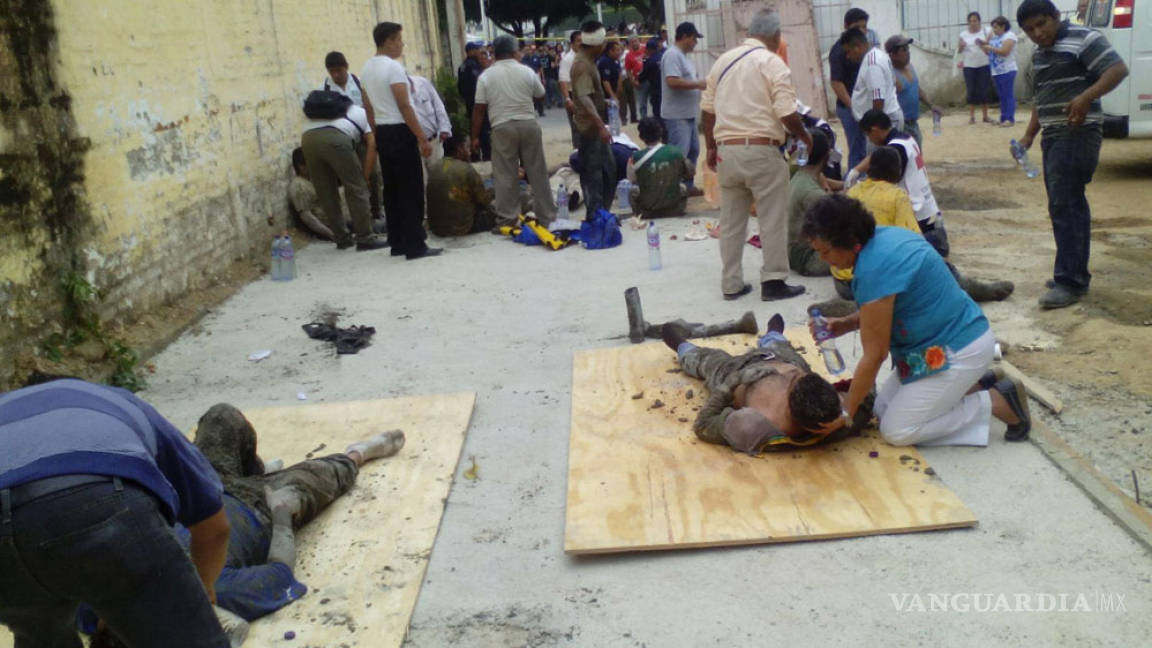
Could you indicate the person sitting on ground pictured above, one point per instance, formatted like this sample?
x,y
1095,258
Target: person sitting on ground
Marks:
x,y
763,400
804,189
622,150
656,173
940,342
458,201
265,508
302,198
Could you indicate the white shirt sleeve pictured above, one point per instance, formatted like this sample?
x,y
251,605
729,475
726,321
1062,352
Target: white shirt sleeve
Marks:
x,y
360,118
565,72
873,78
444,124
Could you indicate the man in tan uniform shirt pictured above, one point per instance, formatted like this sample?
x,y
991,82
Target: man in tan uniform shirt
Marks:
x,y
749,107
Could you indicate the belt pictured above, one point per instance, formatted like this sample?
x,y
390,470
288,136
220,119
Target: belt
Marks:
x,y
17,496
750,141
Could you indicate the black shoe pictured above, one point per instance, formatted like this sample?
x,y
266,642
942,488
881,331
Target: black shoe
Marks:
x,y
990,378
739,293
777,289
776,323
371,244
1060,296
428,252
674,334
1013,392
344,245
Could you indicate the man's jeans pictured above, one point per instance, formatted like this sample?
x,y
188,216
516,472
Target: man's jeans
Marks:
x,y
1070,157
642,98
857,147
683,135
598,177
107,546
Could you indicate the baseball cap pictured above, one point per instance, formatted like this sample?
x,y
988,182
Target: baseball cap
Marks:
x,y
896,42
687,29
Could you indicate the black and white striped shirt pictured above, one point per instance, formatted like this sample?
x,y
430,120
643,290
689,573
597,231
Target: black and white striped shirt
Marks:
x,y
1073,63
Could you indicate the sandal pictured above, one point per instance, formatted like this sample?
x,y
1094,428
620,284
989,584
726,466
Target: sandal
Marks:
x,y
1013,392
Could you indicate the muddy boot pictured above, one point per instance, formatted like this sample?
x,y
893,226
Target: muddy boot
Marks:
x,y
674,335
656,331
746,324
986,291
834,307
636,323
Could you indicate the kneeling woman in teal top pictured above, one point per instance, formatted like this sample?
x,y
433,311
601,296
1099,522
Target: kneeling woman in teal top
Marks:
x,y
941,392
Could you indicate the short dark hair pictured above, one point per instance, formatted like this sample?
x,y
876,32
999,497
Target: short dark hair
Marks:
x,y
875,117
651,130
297,158
820,146
813,402
384,31
1003,22
885,165
1031,8
451,144
335,59
853,37
854,16
841,221
973,13
573,35
591,26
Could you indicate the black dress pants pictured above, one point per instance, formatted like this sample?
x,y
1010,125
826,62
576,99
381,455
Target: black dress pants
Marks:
x,y
403,200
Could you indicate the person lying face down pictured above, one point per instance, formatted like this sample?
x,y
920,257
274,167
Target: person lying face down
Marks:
x,y
265,508
764,400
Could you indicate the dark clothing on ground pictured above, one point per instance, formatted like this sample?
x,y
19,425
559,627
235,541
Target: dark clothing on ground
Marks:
x,y
458,201
403,170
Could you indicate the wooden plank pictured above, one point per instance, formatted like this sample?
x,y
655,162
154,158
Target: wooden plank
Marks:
x,y
1034,389
638,479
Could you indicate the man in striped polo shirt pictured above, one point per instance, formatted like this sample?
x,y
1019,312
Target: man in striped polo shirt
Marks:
x,y
1073,66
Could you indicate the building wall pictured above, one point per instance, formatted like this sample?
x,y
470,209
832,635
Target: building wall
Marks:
x,y
170,129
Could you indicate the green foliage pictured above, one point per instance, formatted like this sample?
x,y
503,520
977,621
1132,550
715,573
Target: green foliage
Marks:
x,y
82,323
543,15
453,102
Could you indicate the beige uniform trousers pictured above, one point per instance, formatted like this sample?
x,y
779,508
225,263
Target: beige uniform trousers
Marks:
x,y
519,143
752,173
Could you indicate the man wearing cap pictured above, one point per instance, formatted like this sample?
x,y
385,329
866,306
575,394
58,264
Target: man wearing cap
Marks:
x,y
875,85
339,80
466,79
764,400
749,108
680,95
909,93
505,92
598,178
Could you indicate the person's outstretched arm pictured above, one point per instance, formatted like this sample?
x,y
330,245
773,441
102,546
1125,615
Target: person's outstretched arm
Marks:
x,y
209,549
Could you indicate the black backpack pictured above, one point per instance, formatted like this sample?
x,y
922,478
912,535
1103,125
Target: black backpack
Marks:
x,y
325,104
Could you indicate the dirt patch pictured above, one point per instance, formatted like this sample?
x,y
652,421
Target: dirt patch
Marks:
x,y
961,198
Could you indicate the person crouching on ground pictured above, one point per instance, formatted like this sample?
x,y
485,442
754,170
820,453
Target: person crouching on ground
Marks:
x,y
458,201
303,200
942,392
656,173
766,399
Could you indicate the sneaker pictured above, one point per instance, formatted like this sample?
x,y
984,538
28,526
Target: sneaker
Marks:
x,y
739,293
371,244
344,245
1059,296
1013,392
777,289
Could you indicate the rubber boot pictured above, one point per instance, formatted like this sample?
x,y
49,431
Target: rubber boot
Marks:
x,y
636,323
746,324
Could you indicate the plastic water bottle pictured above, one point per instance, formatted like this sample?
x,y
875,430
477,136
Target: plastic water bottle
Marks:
x,y
653,246
1021,155
827,343
936,128
287,259
801,154
624,195
562,202
613,118
277,269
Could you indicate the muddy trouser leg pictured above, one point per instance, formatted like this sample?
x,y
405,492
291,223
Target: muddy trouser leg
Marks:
x,y
843,289
316,482
710,365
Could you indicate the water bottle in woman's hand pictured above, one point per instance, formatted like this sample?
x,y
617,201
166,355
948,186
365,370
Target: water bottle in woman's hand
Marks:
x,y
827,343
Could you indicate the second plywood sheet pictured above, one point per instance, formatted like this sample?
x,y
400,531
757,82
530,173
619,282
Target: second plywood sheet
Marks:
x,y
639,479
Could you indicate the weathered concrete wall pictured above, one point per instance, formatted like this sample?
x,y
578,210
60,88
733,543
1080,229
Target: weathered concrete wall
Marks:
x,y
187,111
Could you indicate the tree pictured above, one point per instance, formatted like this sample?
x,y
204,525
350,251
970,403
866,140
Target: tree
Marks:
x,y
512,15
651,12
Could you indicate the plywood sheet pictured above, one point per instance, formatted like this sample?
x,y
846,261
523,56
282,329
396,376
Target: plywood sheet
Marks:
x,y
639,479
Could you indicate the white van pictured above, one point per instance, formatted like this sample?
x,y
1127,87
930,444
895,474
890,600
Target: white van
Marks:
x,y
1128,26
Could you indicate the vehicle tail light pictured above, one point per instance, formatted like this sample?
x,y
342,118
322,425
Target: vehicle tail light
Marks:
x,y
1122,14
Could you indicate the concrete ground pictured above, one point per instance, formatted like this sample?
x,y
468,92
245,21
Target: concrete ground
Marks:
x,y
503,320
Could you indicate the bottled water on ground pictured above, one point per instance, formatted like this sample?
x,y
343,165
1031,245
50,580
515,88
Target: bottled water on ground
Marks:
x,y
1021,156
562,202
827,343
801,154
287,259
653,246
613,118
624,195
936,117
277,263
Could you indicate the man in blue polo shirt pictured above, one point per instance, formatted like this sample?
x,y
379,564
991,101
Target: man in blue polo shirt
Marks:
x,y
91,480
1073,66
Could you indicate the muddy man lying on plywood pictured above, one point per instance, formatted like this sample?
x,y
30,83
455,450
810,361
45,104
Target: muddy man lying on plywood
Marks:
x,y
264,509
767,399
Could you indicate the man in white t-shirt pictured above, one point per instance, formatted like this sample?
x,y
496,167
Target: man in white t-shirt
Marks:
x,y
564,73
330,152
875,84
505,92
339,80
400,142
